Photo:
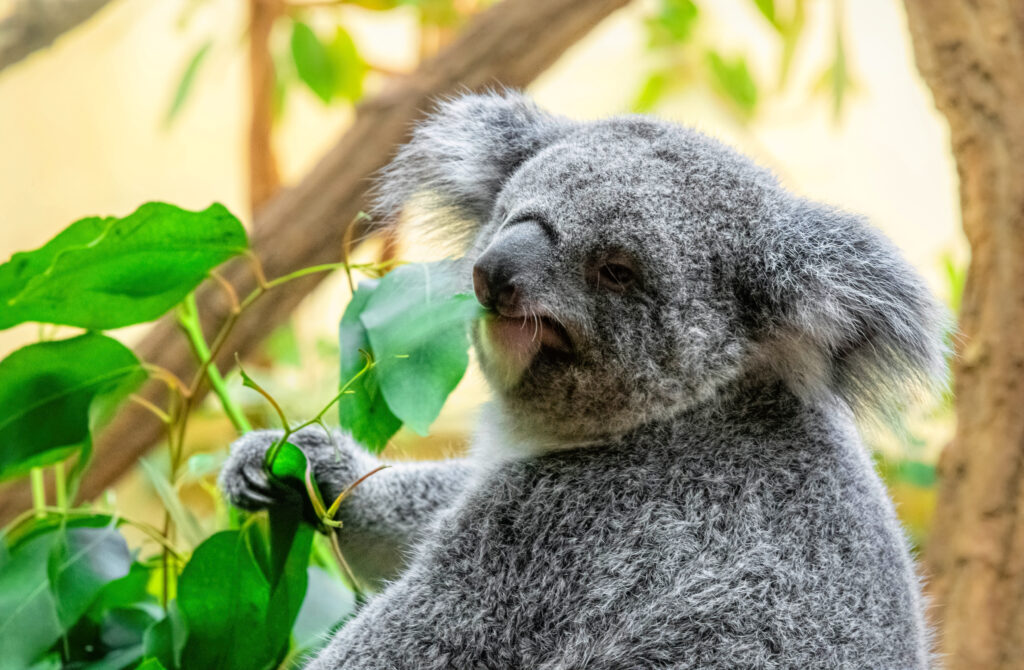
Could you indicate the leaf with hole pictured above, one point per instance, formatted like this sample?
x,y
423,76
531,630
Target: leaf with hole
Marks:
x,y
102,273
47,391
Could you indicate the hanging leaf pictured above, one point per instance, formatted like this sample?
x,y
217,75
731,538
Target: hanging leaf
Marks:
x,y
652,92
364,413
416,328
349,67
313,62
767,9
185,83
732,79
240,593
46,392
102,273
674,23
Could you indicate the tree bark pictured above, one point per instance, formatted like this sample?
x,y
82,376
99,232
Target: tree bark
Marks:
x,y
508,44
31,25
971,54
264,179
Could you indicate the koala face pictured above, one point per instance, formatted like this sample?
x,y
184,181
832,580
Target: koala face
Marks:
x,y
632,268
601,267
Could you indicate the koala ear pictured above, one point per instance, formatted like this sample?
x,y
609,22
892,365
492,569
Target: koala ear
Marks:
x,y
836,307
460,157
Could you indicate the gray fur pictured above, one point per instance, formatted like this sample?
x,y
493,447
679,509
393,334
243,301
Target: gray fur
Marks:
x,y
688,488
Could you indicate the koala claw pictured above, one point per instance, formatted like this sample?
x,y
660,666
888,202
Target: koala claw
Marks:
x,y
243,480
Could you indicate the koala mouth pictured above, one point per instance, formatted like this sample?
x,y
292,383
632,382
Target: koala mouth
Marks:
x,y
513,342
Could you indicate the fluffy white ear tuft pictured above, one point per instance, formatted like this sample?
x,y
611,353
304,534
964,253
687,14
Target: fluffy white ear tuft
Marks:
x,y
836,306
459,158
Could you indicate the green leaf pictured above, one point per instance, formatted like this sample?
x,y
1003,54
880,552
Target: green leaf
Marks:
x,y
151,664
48,581
46,392
364,413
81,564
418,332
110,272
291,542
732,79
767,9
29,623
349,67
415,326
313,61
223,597
652,92
165,640
674,24
188,77
238,613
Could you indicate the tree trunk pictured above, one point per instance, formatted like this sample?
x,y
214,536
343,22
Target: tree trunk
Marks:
x,y
264,179
509,44
971,53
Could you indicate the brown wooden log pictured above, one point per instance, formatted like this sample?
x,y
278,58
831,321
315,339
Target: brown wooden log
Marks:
x,y
971,54
508,44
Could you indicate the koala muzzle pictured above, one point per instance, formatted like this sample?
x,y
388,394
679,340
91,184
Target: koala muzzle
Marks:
x,y
501,272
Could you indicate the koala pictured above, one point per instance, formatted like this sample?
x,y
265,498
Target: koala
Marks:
x,y
669,474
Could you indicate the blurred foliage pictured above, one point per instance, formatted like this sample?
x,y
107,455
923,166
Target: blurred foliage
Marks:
x,y
678,37
325,61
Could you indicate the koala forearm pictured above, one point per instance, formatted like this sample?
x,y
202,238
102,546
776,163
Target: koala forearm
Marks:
x,y
389,511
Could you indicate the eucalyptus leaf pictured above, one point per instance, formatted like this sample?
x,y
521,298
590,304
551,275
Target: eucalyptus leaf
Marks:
x,y
185,84
314,62
46,392
349,66
417,327
363,413
102,273
732,78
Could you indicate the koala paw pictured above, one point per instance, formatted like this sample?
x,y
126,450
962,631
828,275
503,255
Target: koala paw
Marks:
x,y
244,482
336,461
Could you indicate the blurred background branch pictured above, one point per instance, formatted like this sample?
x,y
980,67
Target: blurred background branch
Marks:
x,y
30,25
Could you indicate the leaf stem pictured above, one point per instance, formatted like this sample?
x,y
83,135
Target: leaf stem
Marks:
x,y
188,317
60,486
38,492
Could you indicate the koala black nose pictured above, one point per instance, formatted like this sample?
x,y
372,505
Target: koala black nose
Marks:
x,y
500,274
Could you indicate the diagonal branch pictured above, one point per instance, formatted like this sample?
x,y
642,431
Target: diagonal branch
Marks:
x,y
31,25
509,44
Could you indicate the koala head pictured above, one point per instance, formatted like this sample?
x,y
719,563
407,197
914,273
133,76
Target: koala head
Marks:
x,y
632,268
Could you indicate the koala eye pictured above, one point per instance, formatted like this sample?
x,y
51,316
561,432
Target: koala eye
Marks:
x,y
616,276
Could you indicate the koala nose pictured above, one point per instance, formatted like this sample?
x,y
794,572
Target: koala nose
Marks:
x,y
500,273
